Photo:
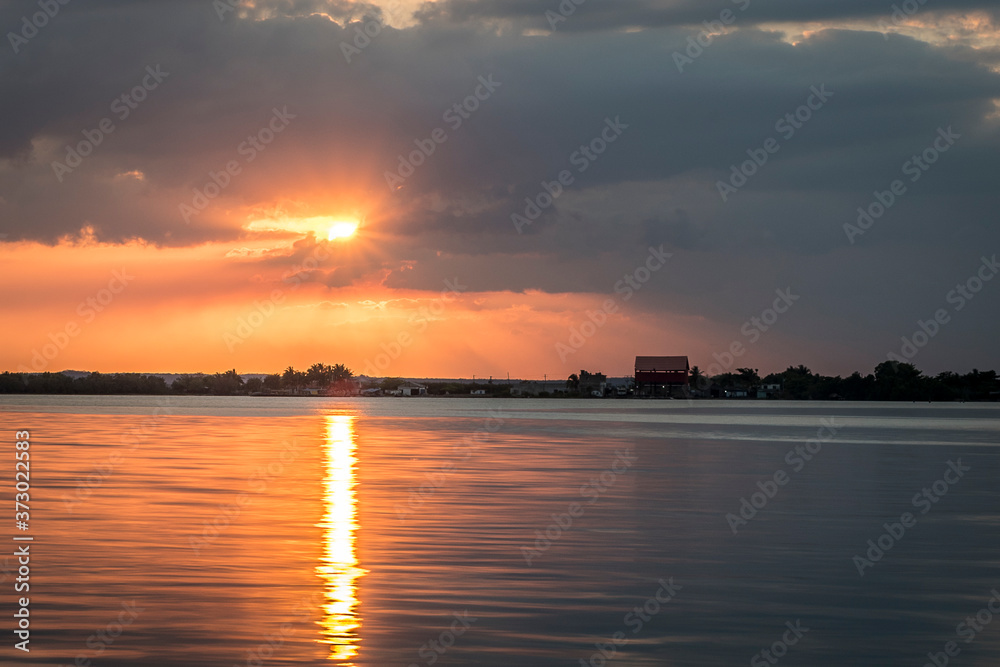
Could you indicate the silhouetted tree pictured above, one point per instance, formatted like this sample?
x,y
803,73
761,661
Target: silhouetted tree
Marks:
x,y
224,384
390,384
797,382
697,379
272,382
898,382
12,383
293,379
748,377
891,381
48,383
320,375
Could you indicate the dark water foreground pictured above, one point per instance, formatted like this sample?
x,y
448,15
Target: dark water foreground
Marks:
x,y
432,532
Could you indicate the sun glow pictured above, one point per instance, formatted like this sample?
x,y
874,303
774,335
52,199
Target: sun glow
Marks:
x,y
342,230
324,227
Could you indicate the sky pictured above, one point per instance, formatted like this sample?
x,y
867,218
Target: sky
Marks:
x,y
534,188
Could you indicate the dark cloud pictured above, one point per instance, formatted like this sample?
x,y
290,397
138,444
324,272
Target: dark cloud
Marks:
x,y
353,121
655,184
566,15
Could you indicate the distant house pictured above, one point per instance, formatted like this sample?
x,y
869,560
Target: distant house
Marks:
x,y
350,387
592,384
656,376
768,390
537,387
478,392
527,388
412,389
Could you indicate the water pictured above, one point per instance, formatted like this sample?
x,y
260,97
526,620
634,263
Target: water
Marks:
x,y
288,531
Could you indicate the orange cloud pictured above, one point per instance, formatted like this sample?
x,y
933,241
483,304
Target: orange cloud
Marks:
x,y
140,308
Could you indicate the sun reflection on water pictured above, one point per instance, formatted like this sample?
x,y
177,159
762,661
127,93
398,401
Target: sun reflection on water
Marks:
x,y
339,564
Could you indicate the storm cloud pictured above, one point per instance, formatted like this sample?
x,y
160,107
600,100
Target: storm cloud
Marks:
x,y
366,101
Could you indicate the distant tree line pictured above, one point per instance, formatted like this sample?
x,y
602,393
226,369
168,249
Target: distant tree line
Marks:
x,y
318,376
494,390
891,381
95,383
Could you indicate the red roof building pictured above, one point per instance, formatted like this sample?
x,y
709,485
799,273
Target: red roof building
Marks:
x,y
661,370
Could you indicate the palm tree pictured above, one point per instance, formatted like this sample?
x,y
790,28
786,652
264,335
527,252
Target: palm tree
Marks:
x,y
696,377
320,374
573,382
293,379
342,379
749,377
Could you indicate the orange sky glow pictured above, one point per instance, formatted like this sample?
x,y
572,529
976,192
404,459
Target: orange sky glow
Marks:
x,y
307,278
327,203
141,308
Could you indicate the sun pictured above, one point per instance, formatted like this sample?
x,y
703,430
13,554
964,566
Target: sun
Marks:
x,y
342,229
333,228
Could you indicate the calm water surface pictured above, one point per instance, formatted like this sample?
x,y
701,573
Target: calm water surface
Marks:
x,y
286,531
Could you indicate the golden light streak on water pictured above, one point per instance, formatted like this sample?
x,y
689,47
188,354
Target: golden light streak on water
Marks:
x,y
339,565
